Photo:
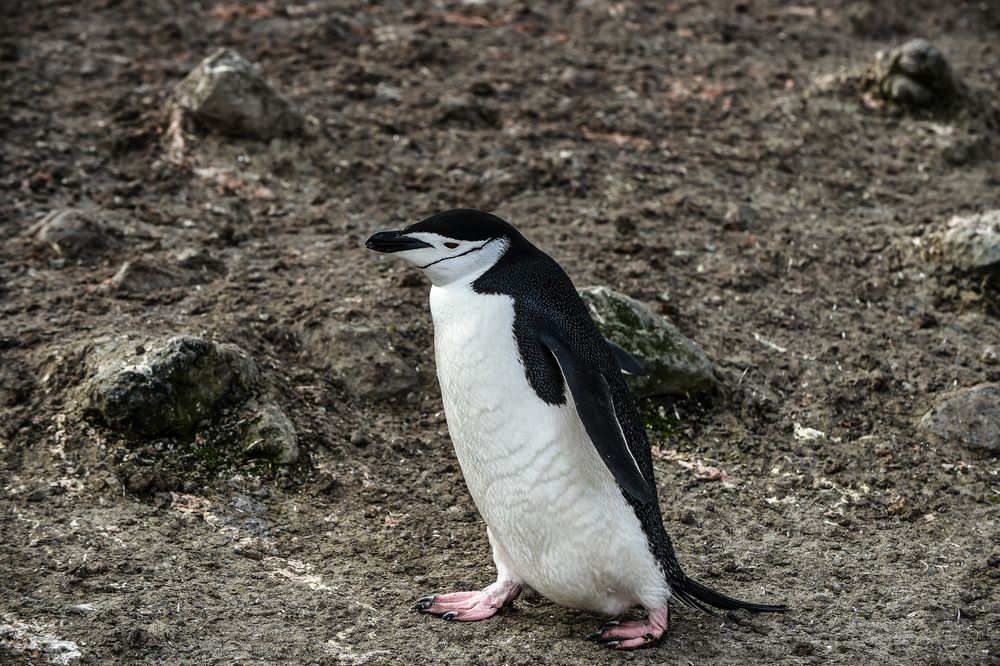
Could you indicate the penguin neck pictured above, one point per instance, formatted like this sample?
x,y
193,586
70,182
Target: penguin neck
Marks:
x,y
465,269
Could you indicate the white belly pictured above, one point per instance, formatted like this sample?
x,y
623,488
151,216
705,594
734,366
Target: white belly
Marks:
x,y
531,469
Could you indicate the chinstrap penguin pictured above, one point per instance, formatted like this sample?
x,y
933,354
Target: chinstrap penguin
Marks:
x,y
551,445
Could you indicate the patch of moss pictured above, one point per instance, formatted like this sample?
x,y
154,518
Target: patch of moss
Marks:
x,y
662,422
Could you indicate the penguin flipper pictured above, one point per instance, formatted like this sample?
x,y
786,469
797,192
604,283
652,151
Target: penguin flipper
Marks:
x,y
627,363
594,405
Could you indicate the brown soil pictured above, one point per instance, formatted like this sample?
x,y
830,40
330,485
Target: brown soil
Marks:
x,y
622,138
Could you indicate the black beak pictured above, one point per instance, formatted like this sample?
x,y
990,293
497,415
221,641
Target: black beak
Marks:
x,y
393,241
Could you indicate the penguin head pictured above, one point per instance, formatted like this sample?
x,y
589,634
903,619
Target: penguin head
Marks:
x,y
456,246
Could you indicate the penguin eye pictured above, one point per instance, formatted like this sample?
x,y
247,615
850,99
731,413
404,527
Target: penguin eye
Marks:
x,y
451,246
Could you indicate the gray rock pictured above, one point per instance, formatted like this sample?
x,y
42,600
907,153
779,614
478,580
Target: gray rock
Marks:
x,y
386,92
467,110
170,386
226,94
272,436
972,242
913,75
969,416
876,20
674,364
359,358
143,277
140,278
200,263
72,234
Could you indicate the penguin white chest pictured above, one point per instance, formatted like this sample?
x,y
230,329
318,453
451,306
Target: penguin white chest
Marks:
x,y
549,501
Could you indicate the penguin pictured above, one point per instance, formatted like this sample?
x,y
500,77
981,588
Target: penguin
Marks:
x,y
548,438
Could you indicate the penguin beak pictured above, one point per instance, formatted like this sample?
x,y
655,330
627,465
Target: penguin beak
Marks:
x,y
393,241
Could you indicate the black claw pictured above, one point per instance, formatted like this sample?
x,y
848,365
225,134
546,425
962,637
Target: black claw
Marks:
x,y
613,644
609,624
422,604
449,616
594,636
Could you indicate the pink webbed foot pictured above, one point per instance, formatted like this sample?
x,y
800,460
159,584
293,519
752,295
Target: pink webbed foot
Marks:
x,y
634,633
469,606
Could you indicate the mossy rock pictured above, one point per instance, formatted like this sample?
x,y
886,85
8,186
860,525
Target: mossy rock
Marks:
x,y
675,364
914,75
170,387
272,437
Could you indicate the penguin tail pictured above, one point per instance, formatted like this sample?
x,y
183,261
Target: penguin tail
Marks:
x,y
696,595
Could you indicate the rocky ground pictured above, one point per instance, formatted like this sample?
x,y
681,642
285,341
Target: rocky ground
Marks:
x,y
221,440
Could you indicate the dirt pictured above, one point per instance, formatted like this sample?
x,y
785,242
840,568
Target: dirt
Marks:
x,y
710,159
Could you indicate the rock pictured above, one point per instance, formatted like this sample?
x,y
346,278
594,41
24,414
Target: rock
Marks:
x,y
467,111
674,364
972,242
359,358
144,277
82,609
169,388
272,436
386,92
969,416
140,278
741,217
876,20
31,641
226,94
805,434
72,234
913,75
200,263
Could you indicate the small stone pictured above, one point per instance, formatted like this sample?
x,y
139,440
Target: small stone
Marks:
x,y
170,389
741,217
876,20
804,434
571,77
140,278
226,94
674,364
467,110
201,264
149,481
969,416
972,242
72,234
913,75
250,547
154,634
359,359
82,609
273,436
624,224
385,92
359,439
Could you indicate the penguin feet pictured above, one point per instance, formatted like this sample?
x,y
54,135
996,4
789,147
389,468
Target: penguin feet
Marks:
x,y
634,633
469,606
